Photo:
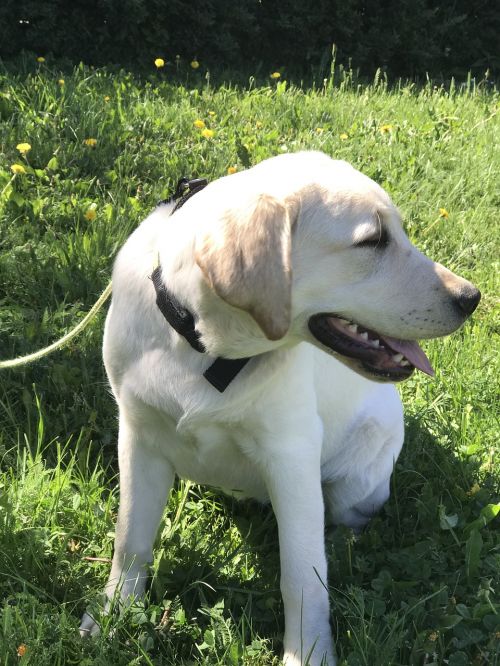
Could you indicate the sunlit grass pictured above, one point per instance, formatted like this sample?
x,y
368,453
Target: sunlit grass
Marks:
x,y
421,585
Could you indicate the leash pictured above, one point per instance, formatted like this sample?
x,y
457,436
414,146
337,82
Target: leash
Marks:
x,y
185,190
36,356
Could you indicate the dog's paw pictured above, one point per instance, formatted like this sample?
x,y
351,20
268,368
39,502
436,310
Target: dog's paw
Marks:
x,y
89,626
316,659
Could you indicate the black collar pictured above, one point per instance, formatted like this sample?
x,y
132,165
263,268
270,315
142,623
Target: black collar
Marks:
x,y
223,370
185,190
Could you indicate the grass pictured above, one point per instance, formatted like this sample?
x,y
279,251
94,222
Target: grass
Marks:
x,y
421,585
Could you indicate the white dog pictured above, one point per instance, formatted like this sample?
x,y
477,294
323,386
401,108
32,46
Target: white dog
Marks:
x,y
300,267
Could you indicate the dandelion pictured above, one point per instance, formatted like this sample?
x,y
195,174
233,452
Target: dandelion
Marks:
x,y
444,213
319,130
199,124
259,124
475,489
344,136
159,62
275,75
212,114
17,169
23,148
231,170
207,133
40,59
21,650
107,98
73,546
90,142
195,64
61,82
386,128
90,214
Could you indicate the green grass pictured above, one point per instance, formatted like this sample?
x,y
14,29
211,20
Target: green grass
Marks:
x,y
421,585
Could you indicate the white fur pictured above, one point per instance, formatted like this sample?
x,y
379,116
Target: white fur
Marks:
x,y
298,427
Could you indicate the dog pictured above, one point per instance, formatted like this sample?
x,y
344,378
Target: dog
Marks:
x,y
286,301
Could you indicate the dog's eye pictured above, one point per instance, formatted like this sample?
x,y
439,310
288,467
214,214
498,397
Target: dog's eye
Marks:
x,y
377,242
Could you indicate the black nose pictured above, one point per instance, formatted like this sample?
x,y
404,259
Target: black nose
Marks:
x,y
468,300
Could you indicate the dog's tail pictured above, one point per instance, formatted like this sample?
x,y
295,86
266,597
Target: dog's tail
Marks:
x,y
35,356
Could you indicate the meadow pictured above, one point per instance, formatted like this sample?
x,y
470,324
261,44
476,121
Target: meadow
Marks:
x,y
85,154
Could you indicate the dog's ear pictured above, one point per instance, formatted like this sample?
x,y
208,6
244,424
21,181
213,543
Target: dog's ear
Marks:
x,y
246,259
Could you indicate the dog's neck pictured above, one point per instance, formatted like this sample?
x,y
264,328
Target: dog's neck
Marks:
x,y
225,331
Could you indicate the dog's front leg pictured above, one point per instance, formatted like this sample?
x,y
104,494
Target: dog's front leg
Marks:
x,y
146,478
293,478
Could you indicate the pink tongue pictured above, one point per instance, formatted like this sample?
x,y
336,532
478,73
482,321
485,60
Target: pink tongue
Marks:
x,y
412,351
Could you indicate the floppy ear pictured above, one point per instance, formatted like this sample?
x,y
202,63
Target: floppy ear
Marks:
x,y
246,258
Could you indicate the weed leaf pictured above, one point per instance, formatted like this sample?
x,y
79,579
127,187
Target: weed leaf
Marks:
x,y
473,552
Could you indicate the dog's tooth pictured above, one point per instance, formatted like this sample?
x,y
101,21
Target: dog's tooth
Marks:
x,y
398,358
375,343
405,362
353,328
364,336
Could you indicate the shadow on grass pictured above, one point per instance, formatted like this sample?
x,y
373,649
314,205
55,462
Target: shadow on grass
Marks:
x,y
408,583
392,587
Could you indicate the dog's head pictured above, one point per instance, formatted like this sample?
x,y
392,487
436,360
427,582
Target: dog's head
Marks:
x,y
314,250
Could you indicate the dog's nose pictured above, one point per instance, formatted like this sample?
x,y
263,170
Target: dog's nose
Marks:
x,y
468,300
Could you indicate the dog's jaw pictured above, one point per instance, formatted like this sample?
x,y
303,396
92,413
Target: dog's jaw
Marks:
x,y
370,354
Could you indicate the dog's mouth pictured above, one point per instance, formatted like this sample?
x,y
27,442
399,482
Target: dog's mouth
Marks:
x,y
380,356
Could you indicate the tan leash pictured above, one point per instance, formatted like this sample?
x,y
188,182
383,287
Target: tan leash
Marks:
x,y
30,358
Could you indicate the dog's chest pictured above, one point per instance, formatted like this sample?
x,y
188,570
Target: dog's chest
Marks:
x,y
219,455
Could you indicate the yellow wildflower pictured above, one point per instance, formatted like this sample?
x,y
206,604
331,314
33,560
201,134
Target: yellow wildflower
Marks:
x,y
61,82
90,214
231,170
21,650
344,136
475,489
275,75
433,636
159,62
259,124
107,98
17,168
212,114
23,148
319,130
444,213
199,124
40,59
386,128
90,142
207,133
195,64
